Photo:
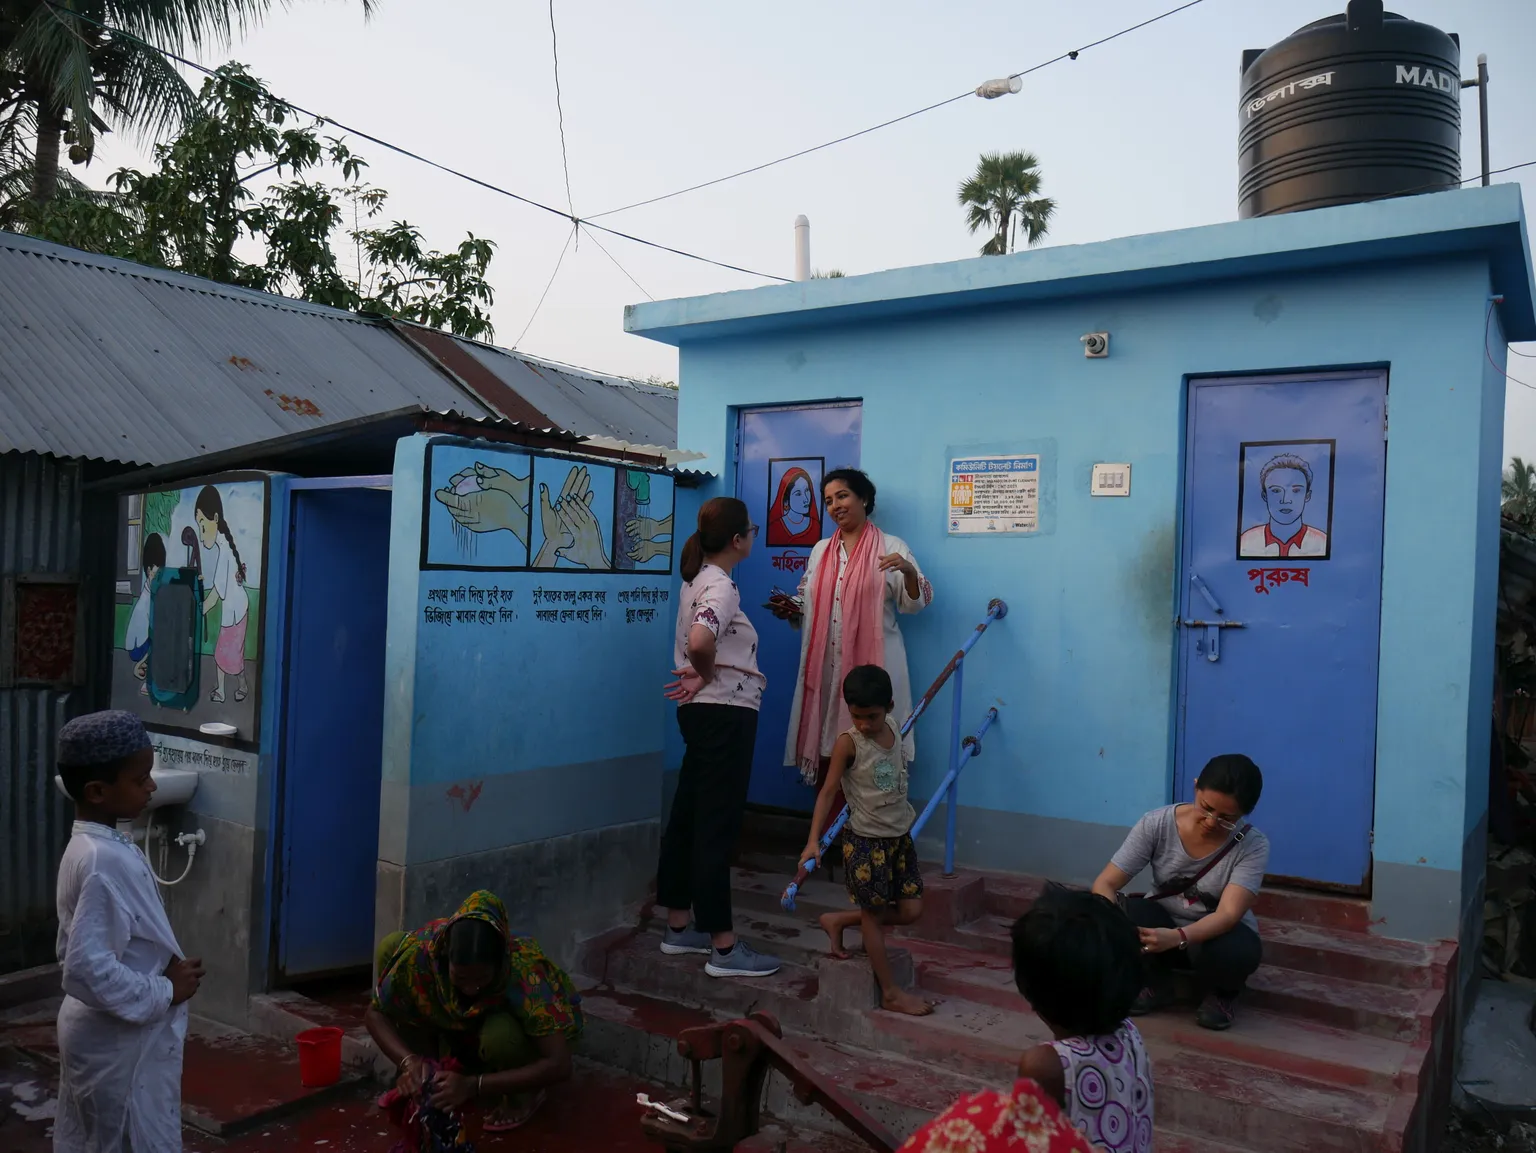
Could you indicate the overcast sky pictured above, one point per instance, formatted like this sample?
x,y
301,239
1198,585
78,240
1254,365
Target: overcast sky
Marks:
x,y
1135,136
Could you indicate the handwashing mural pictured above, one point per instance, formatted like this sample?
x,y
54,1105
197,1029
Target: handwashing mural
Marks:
x,y
479,515
505,628
642,521
188,635
573,528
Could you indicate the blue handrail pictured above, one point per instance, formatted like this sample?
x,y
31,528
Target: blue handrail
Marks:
x,y
996,611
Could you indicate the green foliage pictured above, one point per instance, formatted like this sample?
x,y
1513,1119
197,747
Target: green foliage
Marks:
x,y
71,70
1518,492
1002,196
159,507
198,213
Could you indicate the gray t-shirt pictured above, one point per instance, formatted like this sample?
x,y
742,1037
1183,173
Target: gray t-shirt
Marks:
x,y
1155,841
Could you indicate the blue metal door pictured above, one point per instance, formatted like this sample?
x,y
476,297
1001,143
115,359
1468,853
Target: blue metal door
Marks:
x,y
781,456
1280,606
334,723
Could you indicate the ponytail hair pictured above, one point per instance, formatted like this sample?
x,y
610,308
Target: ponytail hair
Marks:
x,y
721,520
211,506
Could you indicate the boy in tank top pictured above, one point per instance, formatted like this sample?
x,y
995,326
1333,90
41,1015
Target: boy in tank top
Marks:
x,y
879,858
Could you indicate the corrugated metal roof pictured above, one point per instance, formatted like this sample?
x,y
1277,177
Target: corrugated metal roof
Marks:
x,y
107,359
101,358
585,401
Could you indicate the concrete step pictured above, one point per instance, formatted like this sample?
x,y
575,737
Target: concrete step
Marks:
x,y
1385,1010
1285,1044
1313,944
1396,1012
630,1031
1318,1085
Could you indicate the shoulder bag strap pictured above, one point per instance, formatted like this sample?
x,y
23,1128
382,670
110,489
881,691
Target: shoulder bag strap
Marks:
x,y
1186,884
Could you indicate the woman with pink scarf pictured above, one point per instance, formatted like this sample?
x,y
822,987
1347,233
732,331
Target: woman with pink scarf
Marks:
x,y
855,583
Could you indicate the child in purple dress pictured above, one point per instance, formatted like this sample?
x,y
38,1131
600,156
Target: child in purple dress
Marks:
x,y
1077,960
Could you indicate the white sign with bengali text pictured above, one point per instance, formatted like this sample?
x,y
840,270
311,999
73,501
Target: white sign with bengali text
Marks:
x,y
994,494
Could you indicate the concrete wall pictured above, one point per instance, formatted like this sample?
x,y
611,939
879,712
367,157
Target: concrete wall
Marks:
x,y
1086,660
523,751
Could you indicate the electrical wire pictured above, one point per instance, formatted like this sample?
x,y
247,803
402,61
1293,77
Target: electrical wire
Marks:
x,y
1068,55
408,153
1488,350
568,238
565,163
616,263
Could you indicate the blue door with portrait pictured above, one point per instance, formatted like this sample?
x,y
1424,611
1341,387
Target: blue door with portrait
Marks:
x,y
1280,606
781,456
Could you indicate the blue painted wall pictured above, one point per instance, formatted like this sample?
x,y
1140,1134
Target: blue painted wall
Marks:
x,y
516,725
1084,662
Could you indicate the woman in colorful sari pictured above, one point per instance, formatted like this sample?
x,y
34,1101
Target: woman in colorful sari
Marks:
x,y
855,584
1025,1120
469,988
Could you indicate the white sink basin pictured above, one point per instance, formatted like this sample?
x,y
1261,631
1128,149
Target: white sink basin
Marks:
x,y
172,787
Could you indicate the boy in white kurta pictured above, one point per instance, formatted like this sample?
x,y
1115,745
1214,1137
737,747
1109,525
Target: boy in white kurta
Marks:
x,y
124,1019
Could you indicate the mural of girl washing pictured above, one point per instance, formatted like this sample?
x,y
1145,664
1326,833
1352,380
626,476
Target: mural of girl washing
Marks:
x,y
224,578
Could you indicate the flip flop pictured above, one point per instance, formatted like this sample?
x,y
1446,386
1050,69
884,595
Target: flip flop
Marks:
x,y
514,1116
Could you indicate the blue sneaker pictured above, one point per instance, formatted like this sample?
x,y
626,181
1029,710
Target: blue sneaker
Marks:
x,y
686,942
741,961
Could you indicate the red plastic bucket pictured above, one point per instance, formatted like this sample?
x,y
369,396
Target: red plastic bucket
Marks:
x,y
319,1057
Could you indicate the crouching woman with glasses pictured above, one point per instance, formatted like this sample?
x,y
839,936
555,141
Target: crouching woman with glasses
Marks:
x,y
1208,865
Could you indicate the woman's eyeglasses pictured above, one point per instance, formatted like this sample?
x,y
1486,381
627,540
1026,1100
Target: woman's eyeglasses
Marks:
x,y
1223,822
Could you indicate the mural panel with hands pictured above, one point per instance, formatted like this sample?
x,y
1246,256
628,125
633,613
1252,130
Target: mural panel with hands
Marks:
x,y
573,521
478,517
492,509
642,521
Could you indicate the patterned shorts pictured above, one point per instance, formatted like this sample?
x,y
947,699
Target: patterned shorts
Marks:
x,y
881,871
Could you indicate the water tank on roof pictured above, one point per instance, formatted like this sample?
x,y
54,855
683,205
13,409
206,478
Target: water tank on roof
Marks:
x,y
1359,106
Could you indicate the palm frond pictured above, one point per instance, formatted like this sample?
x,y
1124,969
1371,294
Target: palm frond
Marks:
x,y
143,91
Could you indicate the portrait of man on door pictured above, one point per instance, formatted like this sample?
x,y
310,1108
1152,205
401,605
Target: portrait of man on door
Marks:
x,y
1285,500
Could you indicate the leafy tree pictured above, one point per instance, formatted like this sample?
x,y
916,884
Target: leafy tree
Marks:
x,y
71,70
1002,196
1519,491
198,213
830,274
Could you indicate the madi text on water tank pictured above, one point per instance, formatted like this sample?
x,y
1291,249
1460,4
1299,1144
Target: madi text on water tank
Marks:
x,y
1356,107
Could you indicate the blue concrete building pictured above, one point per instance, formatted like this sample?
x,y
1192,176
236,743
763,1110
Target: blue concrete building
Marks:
x,y
1297,429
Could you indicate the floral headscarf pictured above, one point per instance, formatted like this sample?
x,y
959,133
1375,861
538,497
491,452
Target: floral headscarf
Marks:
x,y
1024,1121
415,990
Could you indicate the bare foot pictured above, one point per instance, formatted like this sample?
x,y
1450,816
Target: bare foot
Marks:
x,y
900,1001
834,931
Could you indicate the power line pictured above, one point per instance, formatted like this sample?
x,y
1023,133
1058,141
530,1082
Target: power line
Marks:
x,y
568,237
554,48
619,266
408,153
1069,55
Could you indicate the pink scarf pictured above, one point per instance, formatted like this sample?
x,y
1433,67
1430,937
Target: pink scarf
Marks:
x,y
863,638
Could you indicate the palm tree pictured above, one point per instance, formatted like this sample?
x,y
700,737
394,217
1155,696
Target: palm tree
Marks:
x,y
73,69
1518,490
1003,196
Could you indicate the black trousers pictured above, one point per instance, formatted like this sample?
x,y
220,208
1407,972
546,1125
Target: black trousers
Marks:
x,y
1223,963
695,867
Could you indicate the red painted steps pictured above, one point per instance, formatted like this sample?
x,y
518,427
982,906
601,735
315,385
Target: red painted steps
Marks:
x,y
1330,1051
1302,1075
1384,1009
899,1092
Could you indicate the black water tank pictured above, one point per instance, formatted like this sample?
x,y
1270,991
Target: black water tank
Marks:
x,y
1360,106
